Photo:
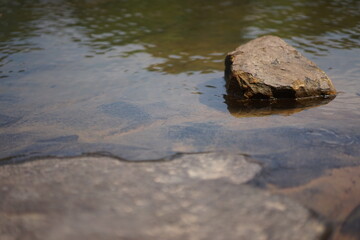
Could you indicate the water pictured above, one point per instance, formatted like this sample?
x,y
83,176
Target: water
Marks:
x,y
143,80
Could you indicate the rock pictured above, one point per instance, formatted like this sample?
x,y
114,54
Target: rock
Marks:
x,y
196,196
350,228
268,68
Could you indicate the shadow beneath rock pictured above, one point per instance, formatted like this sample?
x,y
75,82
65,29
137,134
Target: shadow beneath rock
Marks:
x,y
259,108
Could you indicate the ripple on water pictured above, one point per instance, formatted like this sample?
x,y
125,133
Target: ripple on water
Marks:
x,y
123,78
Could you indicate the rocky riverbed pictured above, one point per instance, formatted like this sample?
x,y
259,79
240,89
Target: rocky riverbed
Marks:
x,y
193,196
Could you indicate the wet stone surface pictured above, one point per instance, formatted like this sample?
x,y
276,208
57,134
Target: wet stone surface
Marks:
x,y
196,196
267,68
318,194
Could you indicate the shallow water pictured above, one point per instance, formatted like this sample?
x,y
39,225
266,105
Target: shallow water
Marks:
x,y
143,80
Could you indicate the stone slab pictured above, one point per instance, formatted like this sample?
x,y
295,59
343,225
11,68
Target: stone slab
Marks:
x,y
196,196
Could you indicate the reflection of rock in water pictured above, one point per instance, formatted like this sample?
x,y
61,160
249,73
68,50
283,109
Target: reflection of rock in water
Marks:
x,y
258,108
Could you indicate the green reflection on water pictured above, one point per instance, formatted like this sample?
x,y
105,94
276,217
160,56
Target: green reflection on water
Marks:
x,y
194,35
188,35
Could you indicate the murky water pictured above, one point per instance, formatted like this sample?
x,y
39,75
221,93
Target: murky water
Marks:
x,y
143,80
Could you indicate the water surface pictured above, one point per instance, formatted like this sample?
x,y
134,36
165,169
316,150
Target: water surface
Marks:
x,y
143,80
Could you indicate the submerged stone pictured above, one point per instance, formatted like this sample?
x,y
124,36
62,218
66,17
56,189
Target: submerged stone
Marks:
x,y
196,196
268,68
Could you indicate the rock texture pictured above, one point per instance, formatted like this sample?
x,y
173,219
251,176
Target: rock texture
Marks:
x,y
197,196
267,68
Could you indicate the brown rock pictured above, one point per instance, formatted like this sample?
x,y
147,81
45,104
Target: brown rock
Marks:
x,y
267,68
